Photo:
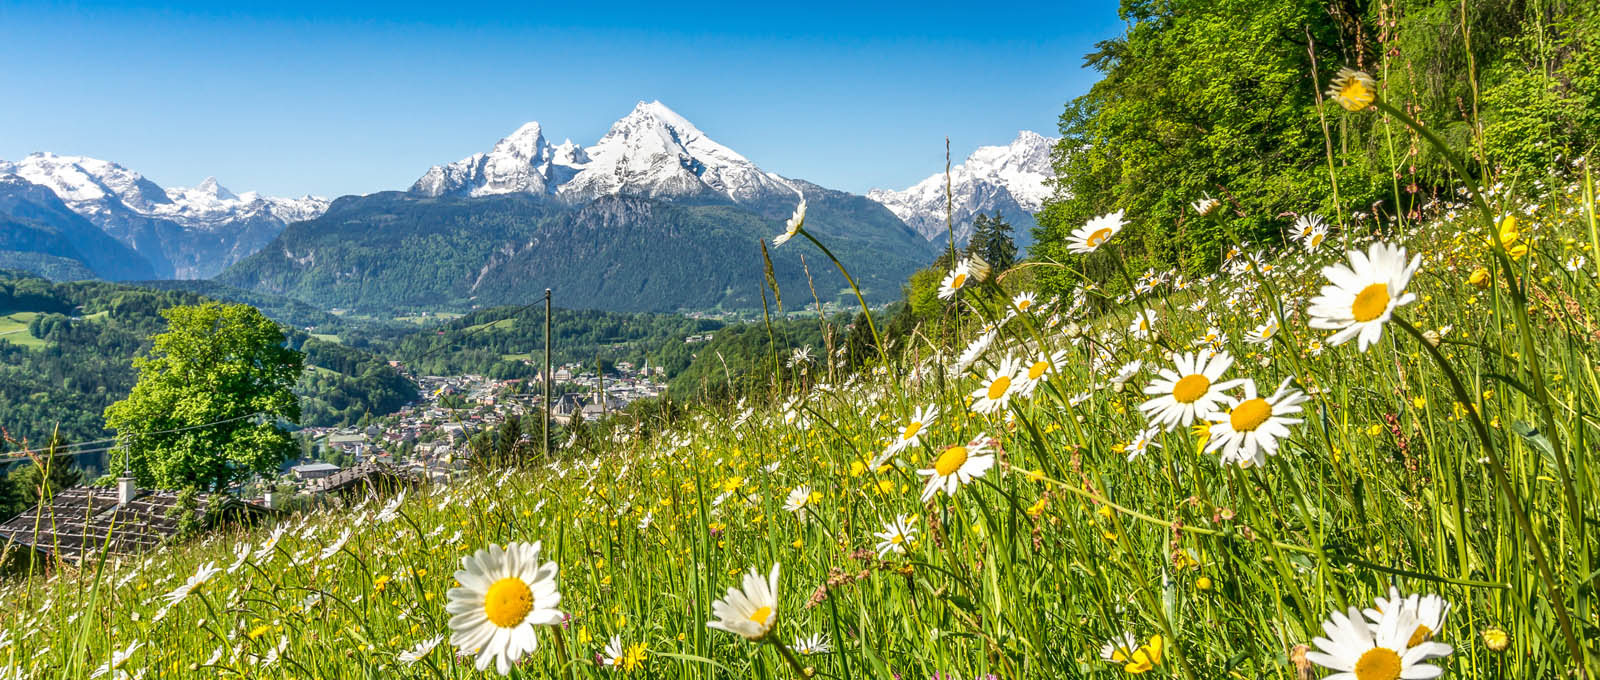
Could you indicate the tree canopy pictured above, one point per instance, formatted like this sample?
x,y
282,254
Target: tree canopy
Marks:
x,y
204,412
1222,98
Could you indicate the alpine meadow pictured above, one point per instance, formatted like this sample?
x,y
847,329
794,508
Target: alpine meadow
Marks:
x,y
1285,364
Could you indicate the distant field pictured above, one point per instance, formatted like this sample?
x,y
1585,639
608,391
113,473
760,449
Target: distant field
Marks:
x,y
503,323
517,357
327,337
14,329
420,320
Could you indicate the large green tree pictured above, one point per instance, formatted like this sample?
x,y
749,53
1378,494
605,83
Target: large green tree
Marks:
x,y
1221,98
204,413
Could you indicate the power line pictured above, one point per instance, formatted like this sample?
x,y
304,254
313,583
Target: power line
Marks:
x,y
66,449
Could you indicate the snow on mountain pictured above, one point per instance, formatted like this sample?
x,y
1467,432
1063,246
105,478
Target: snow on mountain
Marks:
x,y
1008,179
184,232
651,152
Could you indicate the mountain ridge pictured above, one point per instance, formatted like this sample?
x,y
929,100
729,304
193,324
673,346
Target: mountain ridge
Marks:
x,y
1009,179
182,232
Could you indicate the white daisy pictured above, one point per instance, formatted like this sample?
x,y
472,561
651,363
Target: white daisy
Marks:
x,y
798,499
793,226
1119,649
1088,238
202,575
1189,393
1143,324
1362,296
614,654
119,658
970,355
1262,334
1305,225
1430,611
1127,372
997,388
1375,652
896,535
750,612
953,281
1024,302
419,652
910,434
1250,429
1205,205
1039,370
1353,90
504,593
1142,443
957,465
815,644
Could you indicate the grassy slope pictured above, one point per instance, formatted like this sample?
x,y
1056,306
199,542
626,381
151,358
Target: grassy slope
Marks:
x,y
1063,544
14,329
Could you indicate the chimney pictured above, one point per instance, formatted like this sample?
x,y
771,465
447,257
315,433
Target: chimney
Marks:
x,y
126,490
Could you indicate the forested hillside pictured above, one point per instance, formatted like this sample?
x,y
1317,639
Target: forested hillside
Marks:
x,y
1202,98
388,253
508,342
66,352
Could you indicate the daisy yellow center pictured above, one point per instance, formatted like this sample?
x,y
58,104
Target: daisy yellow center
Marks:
x,y
1191,388
508,602
912,430
1355,91
1024,305
761,615
1316,239
898,539
1250,415
1419,636
998,388
1370,302
1098,237
958,280
1037,369
951,460
1378,663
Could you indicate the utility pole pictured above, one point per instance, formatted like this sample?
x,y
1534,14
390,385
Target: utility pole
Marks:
x,y
601,371
547,374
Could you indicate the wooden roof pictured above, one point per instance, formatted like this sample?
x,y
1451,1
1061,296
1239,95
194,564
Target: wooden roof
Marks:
x,y
364,475
79,521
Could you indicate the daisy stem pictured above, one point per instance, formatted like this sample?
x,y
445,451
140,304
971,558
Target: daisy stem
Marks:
x,y
788,655
1503,481
876,340
1519,299
1168,524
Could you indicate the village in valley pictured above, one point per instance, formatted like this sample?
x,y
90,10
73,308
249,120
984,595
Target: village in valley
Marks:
x,y
429,438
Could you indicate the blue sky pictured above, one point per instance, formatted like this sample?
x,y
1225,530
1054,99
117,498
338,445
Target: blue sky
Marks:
x,y
293,98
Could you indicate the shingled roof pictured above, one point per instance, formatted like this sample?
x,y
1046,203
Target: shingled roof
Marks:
x,y
79,521
368,475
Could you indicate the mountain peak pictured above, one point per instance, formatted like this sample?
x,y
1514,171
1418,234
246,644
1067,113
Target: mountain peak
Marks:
x,y
210,187
1010,179
652,151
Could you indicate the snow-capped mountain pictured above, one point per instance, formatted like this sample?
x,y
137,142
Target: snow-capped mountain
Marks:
x,y
183,232
1007,179
651,152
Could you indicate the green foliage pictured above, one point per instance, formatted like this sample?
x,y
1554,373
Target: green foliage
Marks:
x,y
504,344
992,241
223,366
26,483
1220,98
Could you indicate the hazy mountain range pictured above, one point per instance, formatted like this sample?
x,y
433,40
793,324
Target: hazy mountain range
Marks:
x,y
655,215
